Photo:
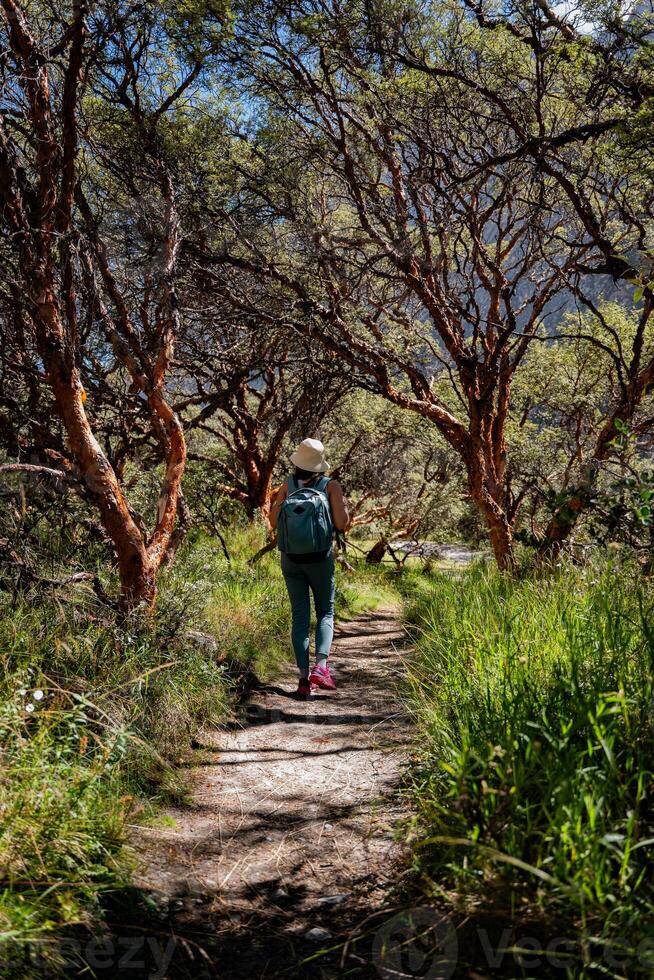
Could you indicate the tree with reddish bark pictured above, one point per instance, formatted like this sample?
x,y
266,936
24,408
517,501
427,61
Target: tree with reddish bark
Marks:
x,y
60,73
595,67
431,197
566,392
251,387
428,274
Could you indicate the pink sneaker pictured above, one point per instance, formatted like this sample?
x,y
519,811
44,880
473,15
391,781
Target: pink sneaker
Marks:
x,y
303,689
320,677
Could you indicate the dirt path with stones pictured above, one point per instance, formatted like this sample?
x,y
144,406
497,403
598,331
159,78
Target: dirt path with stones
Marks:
x,y
288,844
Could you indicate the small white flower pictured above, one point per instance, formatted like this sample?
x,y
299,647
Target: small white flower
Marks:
x,y
22,692
38,695
29,707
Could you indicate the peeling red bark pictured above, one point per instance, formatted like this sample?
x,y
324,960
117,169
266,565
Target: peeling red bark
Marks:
x,y
39,212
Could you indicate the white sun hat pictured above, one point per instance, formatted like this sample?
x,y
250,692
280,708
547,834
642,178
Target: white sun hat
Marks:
x,y
310,455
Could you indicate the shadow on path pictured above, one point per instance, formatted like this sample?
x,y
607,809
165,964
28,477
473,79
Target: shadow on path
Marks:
x,y
290,829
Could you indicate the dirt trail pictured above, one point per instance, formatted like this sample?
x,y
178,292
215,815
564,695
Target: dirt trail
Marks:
x,y
291,827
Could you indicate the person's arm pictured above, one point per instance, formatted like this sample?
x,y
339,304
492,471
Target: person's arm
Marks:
x,y
340,513
277,503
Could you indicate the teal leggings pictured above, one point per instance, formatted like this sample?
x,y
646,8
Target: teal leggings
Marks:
x,y
301,581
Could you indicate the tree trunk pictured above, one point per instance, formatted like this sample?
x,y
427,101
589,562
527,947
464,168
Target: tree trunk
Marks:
x,y
138,584
485,465
563,523
376,554
134,565
500,527
641,377
501,538
267,497
500,530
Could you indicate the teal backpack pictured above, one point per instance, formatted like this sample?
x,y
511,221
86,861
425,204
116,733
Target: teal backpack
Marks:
x,y
305,526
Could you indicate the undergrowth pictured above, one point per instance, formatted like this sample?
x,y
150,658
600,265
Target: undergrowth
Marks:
x,y
534,792
94,712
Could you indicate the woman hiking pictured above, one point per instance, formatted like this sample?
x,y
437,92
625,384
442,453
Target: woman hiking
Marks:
x,y
307,508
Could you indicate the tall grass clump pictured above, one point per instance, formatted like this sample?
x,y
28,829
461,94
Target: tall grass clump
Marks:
x,y
534,701
93,710
63,809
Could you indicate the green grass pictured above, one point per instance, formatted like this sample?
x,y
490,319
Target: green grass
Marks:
x,y
92,715
368,588
62,815
534,786
121,701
